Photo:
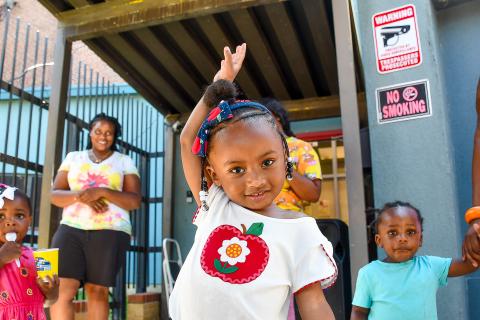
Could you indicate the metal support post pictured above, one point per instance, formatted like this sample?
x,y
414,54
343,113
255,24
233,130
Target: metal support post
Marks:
x,y
351,136
53,149
142,235
167,217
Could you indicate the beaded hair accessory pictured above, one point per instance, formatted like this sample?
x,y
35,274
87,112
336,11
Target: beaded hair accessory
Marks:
x,y
289,168
6,192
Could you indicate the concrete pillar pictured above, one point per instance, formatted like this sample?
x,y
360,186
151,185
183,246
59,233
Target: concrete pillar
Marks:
x,y
458,26
413,160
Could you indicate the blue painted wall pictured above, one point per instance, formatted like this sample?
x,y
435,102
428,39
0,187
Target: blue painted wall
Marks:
x,y
183,228
316,125
136,133
459,35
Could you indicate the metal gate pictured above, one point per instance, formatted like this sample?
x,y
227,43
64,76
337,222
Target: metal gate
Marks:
x,y
24,104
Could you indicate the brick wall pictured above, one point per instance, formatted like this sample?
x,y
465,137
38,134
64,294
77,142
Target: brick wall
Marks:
x,y
40,19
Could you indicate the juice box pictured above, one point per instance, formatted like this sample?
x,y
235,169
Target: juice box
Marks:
x,y
46,261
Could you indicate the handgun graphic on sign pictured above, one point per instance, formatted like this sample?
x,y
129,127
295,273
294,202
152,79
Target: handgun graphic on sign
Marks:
x,y
393,32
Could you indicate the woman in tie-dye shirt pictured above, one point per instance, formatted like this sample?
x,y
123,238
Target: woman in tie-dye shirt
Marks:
x,y
96,188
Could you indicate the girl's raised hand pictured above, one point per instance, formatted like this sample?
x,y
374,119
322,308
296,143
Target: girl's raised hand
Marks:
x,y
192,165
231,64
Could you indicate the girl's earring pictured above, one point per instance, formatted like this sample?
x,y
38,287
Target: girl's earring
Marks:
x,y
204,194
289,169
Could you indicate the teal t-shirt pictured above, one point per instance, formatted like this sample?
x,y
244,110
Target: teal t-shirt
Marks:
x,y
405,290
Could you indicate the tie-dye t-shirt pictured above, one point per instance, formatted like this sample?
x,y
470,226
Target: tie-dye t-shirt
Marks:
x,y
305,162
83,173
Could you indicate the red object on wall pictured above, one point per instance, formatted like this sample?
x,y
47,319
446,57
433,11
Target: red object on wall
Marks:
x,y
319,135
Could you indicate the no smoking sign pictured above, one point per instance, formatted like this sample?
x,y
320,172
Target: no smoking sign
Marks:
x,y
404,101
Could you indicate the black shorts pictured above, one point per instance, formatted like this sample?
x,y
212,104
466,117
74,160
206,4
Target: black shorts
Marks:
x,y
90,256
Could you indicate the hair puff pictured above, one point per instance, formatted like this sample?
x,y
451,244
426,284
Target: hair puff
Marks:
x,y
218,91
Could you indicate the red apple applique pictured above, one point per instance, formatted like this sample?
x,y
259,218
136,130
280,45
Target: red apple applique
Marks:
x,y
235,256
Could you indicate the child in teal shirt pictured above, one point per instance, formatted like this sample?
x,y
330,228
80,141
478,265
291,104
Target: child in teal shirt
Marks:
x,y
402,286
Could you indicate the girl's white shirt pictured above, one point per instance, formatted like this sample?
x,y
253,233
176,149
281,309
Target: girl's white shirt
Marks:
x,y
298,255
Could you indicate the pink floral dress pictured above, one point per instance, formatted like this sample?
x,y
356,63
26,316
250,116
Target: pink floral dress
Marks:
x,y
20,296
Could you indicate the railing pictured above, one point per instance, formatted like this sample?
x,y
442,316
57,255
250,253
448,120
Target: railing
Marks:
x,y
24,103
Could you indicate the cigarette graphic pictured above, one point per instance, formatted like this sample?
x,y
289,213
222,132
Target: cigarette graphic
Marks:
x,y
12,236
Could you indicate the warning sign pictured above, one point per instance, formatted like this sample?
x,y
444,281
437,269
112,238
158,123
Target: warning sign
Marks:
x,y
404,101
397,44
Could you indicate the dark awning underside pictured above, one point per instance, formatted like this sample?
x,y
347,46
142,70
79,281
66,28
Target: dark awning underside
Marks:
x,y
170,53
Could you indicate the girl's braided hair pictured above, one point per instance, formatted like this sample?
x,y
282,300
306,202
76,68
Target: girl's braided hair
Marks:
x,y
223,90
226,91
278,111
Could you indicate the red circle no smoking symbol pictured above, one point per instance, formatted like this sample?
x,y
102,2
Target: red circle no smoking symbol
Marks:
x,y
410,93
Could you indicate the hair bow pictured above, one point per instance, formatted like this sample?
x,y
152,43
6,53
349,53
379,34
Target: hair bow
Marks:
x,y
6,192
220,113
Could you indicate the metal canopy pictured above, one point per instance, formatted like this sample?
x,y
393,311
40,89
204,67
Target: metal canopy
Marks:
x,y
168,50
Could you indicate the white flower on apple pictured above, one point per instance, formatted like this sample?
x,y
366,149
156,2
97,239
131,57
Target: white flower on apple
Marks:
x,y
234,251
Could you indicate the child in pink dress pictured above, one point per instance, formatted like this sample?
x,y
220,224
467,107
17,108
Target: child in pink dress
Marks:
x,y
22,293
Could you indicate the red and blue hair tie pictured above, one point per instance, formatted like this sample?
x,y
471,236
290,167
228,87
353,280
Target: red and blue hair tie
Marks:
x,y
223,111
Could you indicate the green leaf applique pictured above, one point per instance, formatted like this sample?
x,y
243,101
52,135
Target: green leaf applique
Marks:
x,y
255,229
223,268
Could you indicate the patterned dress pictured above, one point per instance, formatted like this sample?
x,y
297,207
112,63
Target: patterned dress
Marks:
x,y
305,162
84,174
20,296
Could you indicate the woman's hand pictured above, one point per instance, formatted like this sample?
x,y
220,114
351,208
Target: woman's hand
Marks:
x,y
99,206
90,195
9,252
471,244
231,64
49,287
94,198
